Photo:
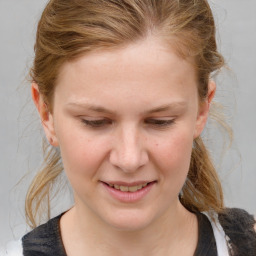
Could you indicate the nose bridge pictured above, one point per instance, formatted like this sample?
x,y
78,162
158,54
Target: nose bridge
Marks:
x,y
129,152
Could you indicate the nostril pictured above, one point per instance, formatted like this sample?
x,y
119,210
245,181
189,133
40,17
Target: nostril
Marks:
x,y
128,154
127,163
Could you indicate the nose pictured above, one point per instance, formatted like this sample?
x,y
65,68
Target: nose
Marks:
x,y
129,152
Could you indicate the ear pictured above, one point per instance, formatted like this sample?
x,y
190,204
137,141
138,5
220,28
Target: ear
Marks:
x,y
204,108
45,115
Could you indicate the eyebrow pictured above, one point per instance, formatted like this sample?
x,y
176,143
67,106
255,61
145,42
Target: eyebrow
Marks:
x,y
91,107
166,107
101,109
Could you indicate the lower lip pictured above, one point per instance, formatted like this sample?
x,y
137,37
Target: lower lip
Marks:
x,y
129,197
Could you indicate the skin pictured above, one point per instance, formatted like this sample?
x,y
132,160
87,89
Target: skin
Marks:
x,y
129,114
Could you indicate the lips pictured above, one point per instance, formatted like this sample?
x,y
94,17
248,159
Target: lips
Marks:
x,y
123,188
128,192
128,187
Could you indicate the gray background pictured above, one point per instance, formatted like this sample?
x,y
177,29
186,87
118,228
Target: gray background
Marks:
x,y
20,137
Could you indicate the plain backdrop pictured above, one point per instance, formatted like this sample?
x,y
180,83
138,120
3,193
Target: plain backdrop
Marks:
x,y
20,136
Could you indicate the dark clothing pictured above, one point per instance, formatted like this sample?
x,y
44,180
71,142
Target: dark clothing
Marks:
x,y
206,242
45,240
239,226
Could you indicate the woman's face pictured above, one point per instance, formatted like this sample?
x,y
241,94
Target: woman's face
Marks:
x,y
125,121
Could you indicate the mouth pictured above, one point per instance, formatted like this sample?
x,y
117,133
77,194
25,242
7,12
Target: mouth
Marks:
x,y
128,192
131,188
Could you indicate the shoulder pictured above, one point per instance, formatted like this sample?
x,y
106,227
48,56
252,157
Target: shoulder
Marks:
x,y
44,240
238,220
239,226
237,215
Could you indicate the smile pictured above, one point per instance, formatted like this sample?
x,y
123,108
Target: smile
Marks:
x,y
128,192
128,188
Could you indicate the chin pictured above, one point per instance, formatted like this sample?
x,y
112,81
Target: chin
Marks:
x,y
129,220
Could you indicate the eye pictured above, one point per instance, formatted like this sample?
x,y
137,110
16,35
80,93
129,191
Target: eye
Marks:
x,y
97,123
160,123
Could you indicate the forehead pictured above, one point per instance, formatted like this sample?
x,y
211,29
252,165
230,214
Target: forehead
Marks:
x,y
147,67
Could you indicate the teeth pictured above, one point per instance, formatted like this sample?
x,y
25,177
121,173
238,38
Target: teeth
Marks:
x,y
133,189
124,189
130,189
139,187
144,185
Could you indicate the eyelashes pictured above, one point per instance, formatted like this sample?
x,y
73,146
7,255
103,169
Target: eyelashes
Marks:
x,y
160,122
98,123
103,123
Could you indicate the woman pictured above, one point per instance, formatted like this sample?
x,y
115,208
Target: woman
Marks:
x,y
123,89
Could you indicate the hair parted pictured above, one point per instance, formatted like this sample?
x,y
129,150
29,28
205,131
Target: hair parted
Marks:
x,y
69,29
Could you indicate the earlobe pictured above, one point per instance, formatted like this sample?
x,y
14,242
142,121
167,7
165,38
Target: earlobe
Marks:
x,y
204,109
45,115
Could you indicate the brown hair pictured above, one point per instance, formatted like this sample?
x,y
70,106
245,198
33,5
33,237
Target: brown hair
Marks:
x,y
71,28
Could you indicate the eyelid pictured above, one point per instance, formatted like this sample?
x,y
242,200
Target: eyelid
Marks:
x,y
160,121
96,122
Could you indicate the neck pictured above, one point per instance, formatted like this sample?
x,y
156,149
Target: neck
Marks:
x,y
173,233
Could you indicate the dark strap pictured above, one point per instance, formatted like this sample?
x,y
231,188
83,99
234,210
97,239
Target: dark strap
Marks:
x,y
45,240
238,225
206,241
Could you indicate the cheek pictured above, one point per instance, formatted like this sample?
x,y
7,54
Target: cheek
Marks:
x,y
81,154
174,156
82,159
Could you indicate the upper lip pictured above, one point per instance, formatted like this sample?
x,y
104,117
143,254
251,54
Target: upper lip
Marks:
x,y
129,184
